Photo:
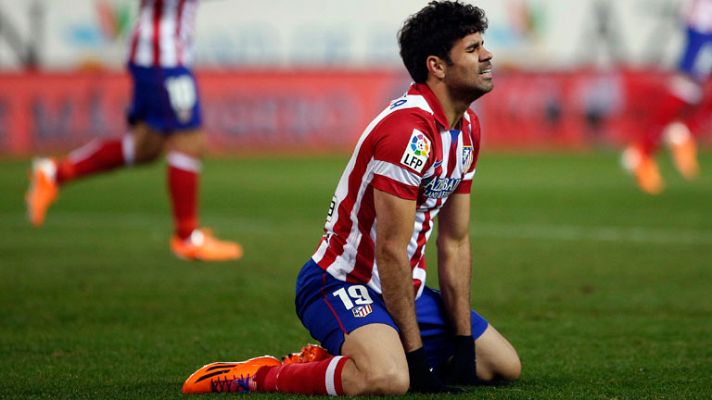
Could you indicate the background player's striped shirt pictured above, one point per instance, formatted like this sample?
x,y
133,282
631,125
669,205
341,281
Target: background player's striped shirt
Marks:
x,y
406,151
163,34
699,15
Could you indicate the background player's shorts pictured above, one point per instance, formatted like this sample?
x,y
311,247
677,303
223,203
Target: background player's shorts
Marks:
x,y
695,43
329,308
164,98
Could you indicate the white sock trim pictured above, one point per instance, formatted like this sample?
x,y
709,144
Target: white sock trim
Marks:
x,y
686,89
329,378
676,133
630,159
47,166
128,148
183,161
84,152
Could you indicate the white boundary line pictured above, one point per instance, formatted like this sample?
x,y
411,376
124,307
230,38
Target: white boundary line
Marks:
x,y
662,236
593,233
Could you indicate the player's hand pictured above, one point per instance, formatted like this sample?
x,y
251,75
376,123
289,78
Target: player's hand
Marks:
x,y
422,378
461,369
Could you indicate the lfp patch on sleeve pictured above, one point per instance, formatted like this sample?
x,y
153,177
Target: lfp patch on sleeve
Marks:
x,y
416,152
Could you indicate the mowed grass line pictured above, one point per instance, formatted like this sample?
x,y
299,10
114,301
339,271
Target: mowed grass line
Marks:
x,y
604,291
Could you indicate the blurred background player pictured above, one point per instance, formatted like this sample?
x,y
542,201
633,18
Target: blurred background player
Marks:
x,y
677,115
362,294
164,115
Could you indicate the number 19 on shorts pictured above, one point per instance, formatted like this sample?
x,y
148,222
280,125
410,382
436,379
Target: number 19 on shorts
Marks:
x,y
355,298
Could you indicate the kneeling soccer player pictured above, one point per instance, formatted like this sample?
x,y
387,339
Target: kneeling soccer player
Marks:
x,y
362,294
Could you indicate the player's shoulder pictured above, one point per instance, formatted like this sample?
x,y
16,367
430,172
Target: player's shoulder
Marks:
x,y
409,118
405,114
412,101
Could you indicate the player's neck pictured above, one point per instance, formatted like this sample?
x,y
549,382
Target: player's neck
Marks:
x,y
453,106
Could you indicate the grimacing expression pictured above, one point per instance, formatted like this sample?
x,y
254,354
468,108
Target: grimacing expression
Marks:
x,y
470,71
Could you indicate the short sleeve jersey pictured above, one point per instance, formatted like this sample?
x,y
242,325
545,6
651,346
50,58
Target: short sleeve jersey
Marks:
x,y
698,16
409,152
163,34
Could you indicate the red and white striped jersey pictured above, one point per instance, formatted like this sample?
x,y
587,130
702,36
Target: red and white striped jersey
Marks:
x,y
163,34
409,152
699,15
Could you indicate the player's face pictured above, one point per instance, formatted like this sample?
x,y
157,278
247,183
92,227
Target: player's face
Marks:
x,y
470,73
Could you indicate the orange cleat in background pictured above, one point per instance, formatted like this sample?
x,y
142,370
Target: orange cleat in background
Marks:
x,y
684,149
43,190
644,168
202,245
224,377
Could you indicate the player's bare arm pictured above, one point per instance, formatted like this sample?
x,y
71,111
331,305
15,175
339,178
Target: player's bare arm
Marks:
x,y
455,261
396,217
495,357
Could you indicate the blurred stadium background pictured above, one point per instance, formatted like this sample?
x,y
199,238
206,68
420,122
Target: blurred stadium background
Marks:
x,y
278,74
604,290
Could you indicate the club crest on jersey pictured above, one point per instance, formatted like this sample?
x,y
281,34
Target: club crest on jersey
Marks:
x,y
417,151
466,157
362,311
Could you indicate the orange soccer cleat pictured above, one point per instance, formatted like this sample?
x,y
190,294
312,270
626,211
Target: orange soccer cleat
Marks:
x,y
202,245
223,377
42,191
644,168
684,149
308,353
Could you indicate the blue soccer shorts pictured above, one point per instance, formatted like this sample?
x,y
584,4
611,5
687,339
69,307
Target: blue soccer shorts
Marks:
x,y
330,308
164,98
696,42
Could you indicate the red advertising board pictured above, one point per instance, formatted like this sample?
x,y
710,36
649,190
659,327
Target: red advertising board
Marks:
x,y
319,110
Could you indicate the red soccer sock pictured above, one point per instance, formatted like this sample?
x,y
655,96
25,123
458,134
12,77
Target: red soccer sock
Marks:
x,y
94,157
183,174
699,116
671,105
317,378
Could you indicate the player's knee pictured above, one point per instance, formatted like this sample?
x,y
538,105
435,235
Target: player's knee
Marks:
x,y
511,369
507,368
146,156
147,150
147,143
382,378
388,381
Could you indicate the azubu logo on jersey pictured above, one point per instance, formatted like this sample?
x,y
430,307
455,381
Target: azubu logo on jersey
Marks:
x,y
416,151
438,188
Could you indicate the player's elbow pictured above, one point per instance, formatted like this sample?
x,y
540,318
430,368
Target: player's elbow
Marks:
x,y
389,252
451,244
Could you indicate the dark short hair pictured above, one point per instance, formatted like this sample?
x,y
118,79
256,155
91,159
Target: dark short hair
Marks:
x,y
433,31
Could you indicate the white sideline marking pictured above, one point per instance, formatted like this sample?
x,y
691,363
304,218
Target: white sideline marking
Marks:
x,y
672,236
593,233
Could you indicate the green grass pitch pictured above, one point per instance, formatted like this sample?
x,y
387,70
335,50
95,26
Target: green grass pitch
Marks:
x,y
605,292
